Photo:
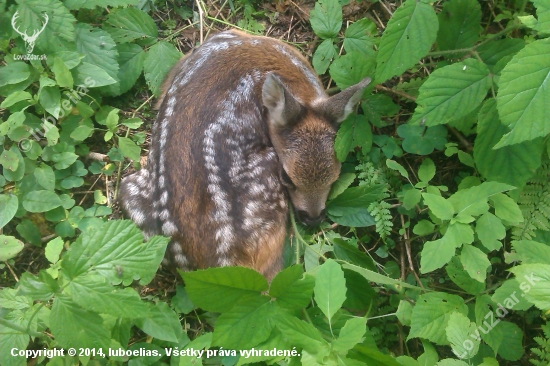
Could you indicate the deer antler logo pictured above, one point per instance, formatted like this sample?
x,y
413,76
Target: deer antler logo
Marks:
x,y
29,40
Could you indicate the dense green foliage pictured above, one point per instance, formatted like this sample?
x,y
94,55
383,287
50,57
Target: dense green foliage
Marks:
x,y
439,251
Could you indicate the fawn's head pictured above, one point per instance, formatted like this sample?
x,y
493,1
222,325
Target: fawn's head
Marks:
x,y
303,137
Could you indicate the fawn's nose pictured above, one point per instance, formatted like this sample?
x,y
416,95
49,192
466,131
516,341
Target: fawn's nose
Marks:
x,y
306,219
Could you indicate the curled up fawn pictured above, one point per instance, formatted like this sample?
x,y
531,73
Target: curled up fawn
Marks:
x,y
244,126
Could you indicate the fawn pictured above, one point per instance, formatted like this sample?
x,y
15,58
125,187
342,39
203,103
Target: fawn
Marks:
x,y
244,124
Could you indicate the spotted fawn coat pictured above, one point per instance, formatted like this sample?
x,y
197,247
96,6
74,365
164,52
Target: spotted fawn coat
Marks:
x,y
244,125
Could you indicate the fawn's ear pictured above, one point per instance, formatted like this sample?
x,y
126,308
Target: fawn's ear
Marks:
x,y
283,108
339,106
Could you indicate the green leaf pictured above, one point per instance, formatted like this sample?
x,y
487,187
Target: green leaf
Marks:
x,y
92,4
299,333
459,329
53,250
45,177
128,148
377,277
93,293
8,207
158,61
543,16
218,289
422,140
75,327
323,56
489,230
9,160
330,288
462,19
534,281
513,164
350,334
16,97
462,279
431,316
326,18
436,254
41,201
18,173
506,208
523,98
341,184
472,201
91,75
130,58
116,251
510,291
64,160
12,339
475,262
100,50
452,92
291,288
498,53
451,362
359,36
411,198
354,131
351,68
408,37
511,348
81,133
489,330
161,322
128,24
50,99
246,325
424,227
9,247
63,75
394,165
40,288
360,196
14,73
426,171
439,206
532,252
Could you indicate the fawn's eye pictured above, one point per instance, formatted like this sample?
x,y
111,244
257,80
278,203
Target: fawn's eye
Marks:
x,y
285,179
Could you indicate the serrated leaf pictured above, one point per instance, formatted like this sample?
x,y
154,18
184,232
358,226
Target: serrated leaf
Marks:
x,y
408,37
12,339
130,58
543,16
506,208
91,75
436,254
458,333
41,201
330,288
218,289
116,251
439,206
160,322
359,36
158,61
351,68
511,348
452,92
490,231
299,333
246,325
326,18
513,164
498,53
510,291
462,19
75,327
472,201
128,148
350,334
523,98
462,279
63,75
50,99
534,281
360,196
532,252
291,289
475,262
14,73
128,24
431,315
354,131
343,182
9,247
323,56
40,288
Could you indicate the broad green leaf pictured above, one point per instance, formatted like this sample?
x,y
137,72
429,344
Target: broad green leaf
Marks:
x,y
462,279
534,281
323,56
40,288
330,288
377,277
246,325
392,164
351,334
431,315
408,37
506,208
93,293
218,289
130,58
341,184
116,251
9,247
92,4
452,92
8,207
475,262
439,206
158,61
275,340
462,20
45,177
41,201
14,73
513,164
497,54
9,160
11,299
14,339
14,98
100,50
351,68
451,362
490,231
423,227
50,99
359,36
426,171
291,288
10,173
128,24
161,322
411,198
531,252
543,16
128,148
422,140
511,348
64,160
488,328
436,254
404,312
360,196
510,291
75,327
91,76
300,334
63,75
53,250
458,333
523,98
354,131
472,201
348,251
326,18
460,233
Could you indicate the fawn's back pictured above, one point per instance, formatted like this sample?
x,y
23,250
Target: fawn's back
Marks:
x,y
244,125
